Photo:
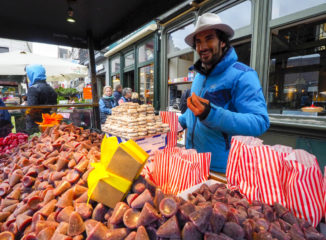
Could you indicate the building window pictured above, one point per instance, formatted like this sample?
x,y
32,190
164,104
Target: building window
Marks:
x,y
115,64
115,80
232,17
4,49
176,40
129,59
243,50
146,80
297,75
146,51
179,68
282,8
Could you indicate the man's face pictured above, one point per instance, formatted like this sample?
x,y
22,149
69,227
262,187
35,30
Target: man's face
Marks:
x,y
209,47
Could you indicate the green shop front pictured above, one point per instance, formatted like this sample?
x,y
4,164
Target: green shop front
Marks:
x,y
284,41
133,63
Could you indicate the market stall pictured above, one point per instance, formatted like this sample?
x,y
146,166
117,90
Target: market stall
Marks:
x,y
52,186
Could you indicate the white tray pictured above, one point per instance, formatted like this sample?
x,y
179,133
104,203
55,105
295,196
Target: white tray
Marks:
x,y
185,193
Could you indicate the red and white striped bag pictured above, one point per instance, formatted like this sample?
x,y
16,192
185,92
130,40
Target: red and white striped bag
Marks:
x,y
240,171
278,174
175,170
172,119
304,186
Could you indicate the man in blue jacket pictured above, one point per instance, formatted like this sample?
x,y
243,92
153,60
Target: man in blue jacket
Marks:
x,y
226,95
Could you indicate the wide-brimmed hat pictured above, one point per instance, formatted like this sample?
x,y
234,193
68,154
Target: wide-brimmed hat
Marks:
x,y
209,21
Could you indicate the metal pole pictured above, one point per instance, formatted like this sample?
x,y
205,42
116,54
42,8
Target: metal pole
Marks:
x,y
96,111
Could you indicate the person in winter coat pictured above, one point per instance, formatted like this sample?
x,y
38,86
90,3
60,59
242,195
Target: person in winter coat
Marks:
x,y
226,95
5,123
126,95
135,98
39,93
183,101
107,102
117,94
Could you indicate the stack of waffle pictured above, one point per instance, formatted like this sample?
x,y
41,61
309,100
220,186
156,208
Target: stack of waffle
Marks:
x,y
131,120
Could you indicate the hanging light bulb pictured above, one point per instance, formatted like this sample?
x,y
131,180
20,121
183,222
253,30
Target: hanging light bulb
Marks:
x,y
70,17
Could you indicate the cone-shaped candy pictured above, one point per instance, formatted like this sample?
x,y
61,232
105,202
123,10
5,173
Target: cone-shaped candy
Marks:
x,y
148,215
99,231
131,236
48,208
72,176
99,212
141,199
46,233
190,232
63,186
118,212
168,207
76,225
130,218
64,214
66,199
201,218
118,233
7,236
22,221
131,198
89,225
15,194
85,210
82,198
159,195
170,229
141,234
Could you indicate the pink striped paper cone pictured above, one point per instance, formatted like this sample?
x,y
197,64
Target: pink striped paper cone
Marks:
x,y
180,179
282,152
304,189
232,168
269,169
247,175
171,118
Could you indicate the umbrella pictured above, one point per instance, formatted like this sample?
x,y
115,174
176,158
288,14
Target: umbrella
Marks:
x,y
13,63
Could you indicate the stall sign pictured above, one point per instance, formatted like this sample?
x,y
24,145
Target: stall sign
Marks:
x,y
87,92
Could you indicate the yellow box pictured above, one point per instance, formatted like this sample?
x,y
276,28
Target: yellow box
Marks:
x,y
106,194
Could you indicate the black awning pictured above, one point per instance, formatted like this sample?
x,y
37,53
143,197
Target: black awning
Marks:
x,y
45,20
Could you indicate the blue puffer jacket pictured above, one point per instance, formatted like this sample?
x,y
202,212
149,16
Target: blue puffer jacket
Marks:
x,y
237,108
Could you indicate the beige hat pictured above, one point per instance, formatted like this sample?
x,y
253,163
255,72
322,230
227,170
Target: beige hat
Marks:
x,y
209,21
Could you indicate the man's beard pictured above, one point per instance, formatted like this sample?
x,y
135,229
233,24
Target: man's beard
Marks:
x,y
215,58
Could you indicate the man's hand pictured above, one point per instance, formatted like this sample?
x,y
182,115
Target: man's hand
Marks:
x,y
199,106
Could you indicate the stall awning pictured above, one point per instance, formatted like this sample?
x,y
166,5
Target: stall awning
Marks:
x,y
107,21
132,38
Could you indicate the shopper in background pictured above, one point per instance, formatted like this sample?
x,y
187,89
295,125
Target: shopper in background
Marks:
x,y
5,121
39,93
107,102
135,98
117,94
226,95
183,101
24,100
126,95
